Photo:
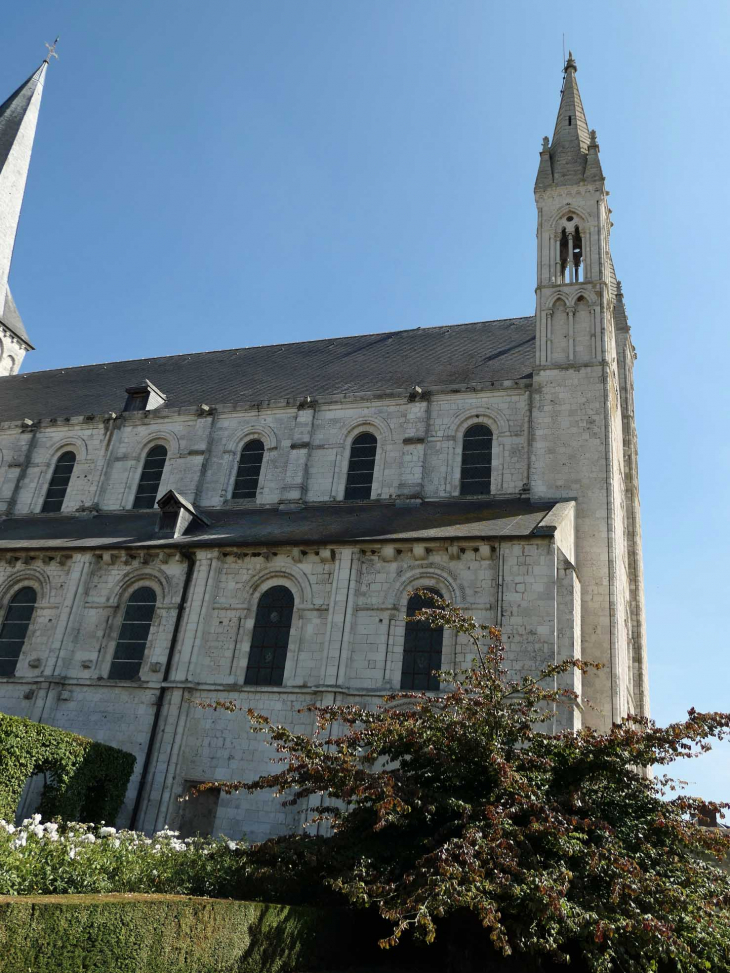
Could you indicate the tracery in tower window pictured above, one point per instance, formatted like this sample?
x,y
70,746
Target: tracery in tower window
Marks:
x,y
571,254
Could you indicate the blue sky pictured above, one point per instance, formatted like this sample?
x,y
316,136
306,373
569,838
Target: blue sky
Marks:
x,y
211,176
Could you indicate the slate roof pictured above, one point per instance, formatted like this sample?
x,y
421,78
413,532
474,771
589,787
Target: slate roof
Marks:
x,y
330,523
434,358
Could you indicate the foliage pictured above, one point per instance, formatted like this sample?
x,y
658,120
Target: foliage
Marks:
x,y
48,859
163,934
562,846
85,780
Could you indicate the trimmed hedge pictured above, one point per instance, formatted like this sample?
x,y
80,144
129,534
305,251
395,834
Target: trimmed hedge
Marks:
x,y
165,934
86,781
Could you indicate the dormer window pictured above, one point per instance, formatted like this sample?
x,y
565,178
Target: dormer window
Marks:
x,y
143,398
178,515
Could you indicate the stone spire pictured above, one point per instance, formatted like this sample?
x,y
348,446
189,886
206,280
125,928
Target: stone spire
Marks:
x,y
569,149
18,118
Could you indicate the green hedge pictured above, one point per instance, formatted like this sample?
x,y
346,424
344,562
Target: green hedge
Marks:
x,y
165,934
85,780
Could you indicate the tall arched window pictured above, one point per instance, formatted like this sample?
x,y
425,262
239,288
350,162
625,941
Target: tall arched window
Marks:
x,y
249,471
360,471
149,481
133,634
422,648
270,639
476,461
56,493
15,629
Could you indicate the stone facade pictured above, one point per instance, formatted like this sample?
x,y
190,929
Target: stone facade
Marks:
x,y
563,580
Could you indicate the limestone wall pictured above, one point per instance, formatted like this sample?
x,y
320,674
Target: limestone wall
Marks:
x,y
306,449
346,642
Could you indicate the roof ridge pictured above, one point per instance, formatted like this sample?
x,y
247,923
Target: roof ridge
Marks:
x,y
276,344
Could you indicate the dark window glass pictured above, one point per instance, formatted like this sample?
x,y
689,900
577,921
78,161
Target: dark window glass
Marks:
x,y
136,403
168,519
270,638
59,482
15,628
362,466
133,634
421,648
249,470
149,481
476,461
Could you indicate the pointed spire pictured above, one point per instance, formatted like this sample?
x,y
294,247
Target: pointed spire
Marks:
x,y
571,144
18,118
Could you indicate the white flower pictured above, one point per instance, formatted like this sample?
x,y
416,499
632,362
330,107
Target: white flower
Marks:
x,y
37,830
8,827
116,842
107,832
88,839
72,853
231,845
50,826
21,841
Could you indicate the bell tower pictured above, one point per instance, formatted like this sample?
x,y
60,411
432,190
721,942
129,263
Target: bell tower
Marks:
x,y
584,440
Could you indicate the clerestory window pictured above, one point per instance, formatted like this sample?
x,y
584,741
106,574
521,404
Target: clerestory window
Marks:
x,y
149,481
360,470
476,461
249,471
56,492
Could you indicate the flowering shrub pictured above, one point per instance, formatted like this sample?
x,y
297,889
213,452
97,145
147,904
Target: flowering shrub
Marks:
x,y
38,858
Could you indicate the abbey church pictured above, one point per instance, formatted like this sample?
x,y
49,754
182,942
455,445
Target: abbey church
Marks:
x,y
248,524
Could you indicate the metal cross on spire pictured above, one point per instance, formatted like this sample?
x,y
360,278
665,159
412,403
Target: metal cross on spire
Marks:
x,y
51,51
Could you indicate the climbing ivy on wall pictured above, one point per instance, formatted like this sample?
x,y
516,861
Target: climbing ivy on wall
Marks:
x,y
84,780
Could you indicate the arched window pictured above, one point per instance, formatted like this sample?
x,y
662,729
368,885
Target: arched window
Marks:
x,y
571,253
270,639
422,648
149,481
476,461
133,634
360,471
15,629
56,493
249,471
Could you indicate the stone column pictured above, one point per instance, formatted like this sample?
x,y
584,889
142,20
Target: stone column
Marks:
x,y
549,336
571,333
